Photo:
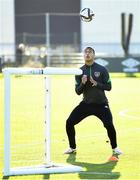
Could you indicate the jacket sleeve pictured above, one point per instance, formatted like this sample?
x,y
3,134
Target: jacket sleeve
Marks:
x,y
106,82
79,87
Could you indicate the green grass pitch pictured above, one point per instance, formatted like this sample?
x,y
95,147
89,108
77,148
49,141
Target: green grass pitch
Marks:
x,y
92,149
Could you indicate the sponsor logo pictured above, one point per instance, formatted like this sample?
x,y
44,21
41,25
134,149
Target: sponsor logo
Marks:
x,y
102,62
106,107
131,65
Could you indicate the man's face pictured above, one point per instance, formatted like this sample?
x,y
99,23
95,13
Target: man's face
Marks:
x,y
89,56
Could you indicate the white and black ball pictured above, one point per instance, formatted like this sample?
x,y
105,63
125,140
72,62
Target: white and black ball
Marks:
x,y
86,14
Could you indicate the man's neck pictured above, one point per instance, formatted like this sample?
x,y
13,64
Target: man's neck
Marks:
x,y
89,63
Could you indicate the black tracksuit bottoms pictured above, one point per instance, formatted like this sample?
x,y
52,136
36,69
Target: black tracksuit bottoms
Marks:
x,y
83,110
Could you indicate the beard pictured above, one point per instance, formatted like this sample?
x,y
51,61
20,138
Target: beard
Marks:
x,y
88,61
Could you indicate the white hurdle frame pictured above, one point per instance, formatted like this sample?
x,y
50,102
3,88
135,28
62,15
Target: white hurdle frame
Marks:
x,y
42,169
47,120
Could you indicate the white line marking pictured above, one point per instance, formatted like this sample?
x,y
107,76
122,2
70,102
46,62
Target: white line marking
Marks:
x,y
109,173
124,113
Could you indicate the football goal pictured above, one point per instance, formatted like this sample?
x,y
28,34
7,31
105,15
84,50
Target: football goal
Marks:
x,y
26,136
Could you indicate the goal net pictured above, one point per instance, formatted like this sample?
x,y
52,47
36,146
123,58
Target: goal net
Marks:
x,y
27,120
27,132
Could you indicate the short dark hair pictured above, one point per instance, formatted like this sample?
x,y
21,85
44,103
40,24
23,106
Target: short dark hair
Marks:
x,y
91,49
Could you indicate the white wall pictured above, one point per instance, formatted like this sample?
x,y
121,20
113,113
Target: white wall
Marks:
x,y
106,27
7,27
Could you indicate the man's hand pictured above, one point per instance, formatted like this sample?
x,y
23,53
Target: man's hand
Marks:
x,y
84,79
94,83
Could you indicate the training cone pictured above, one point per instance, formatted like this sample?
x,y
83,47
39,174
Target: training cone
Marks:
x,y
113,158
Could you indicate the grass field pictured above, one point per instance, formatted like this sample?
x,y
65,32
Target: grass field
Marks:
x,y
93,151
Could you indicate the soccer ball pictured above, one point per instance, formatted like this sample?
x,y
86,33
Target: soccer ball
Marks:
x,y
86,14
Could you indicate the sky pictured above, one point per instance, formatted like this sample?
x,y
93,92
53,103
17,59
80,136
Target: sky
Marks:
x,y
106,26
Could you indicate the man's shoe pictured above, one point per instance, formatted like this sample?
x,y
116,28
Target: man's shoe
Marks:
x,y
117,151
70,151
113,158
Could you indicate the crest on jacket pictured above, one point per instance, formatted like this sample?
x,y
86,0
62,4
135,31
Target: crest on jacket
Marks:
x,y
96,74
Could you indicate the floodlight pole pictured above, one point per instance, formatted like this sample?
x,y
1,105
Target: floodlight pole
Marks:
x,y
48,39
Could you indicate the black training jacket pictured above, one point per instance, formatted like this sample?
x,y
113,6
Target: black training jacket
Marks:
x,y
93,94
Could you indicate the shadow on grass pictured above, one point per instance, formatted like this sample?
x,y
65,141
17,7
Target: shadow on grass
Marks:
x,y
5,177
95,171
46,176
91,170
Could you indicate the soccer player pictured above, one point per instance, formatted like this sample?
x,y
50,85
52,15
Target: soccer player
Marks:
x,y
92,84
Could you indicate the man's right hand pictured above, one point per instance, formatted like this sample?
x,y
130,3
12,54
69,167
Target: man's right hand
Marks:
x,y
84,79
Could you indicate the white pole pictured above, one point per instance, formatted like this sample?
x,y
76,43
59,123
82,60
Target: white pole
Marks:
x,y
48,38
45,71
7,123
48,120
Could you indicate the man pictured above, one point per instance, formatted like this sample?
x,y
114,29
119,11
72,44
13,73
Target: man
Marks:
x,y
92,84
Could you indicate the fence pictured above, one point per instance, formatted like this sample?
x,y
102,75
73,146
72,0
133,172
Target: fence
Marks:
x,y
129,64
